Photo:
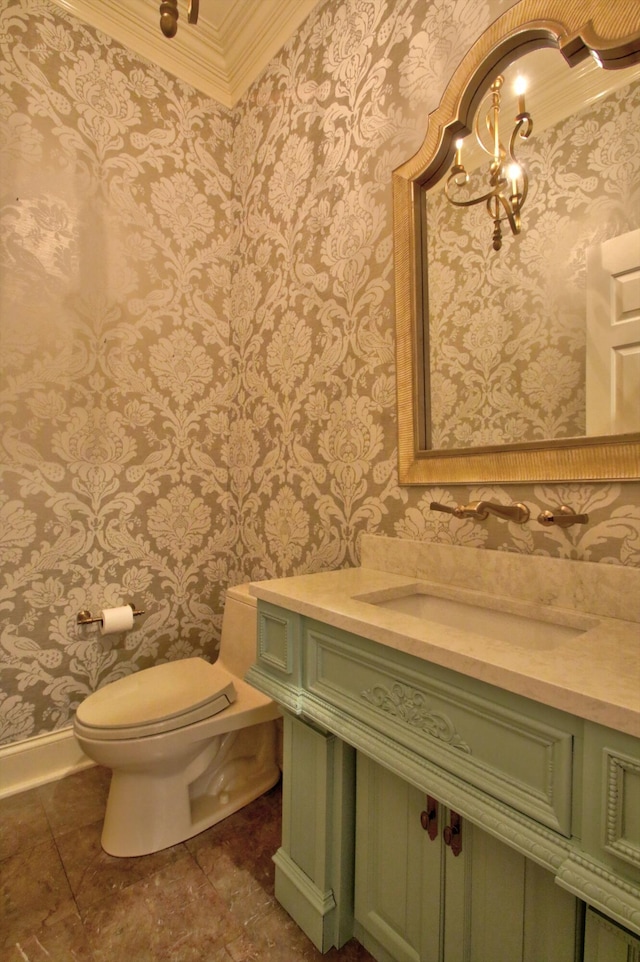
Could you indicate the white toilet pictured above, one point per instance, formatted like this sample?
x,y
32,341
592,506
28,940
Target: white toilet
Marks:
x,y
188,742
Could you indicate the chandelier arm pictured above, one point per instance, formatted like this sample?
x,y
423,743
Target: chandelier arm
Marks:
x,y
455,173
489,151
522,129
524,125
513,216
510,215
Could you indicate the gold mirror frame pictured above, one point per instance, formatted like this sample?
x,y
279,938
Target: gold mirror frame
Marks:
x,y
578,28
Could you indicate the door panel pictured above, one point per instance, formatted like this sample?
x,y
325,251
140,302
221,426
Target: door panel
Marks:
x,y
613,335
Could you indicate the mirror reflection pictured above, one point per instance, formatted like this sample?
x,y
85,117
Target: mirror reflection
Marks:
x,y
519,341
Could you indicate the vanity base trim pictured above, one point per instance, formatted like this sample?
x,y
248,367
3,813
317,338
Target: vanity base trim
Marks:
x,y
308,906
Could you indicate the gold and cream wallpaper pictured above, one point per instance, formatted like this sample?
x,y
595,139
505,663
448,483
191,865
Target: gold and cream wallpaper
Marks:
x,y
197,337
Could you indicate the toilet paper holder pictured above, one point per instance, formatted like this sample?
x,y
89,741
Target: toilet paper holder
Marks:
x,y
85,617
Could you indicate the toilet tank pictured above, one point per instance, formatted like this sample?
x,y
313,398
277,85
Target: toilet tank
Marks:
x,y
239,631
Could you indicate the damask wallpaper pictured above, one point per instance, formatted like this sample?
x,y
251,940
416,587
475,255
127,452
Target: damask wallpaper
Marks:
x,y
508,334
197,337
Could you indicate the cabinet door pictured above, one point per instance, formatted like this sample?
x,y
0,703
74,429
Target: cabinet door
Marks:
x,y
500,905
604,941
484,917
415,901
398,884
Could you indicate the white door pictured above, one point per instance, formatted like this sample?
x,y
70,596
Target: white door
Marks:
x,y
613,335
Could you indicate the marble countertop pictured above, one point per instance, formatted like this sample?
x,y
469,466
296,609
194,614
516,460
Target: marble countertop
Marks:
x,y
593,673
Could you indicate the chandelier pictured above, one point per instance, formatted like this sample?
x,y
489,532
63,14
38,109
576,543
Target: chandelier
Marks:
x,y
169,16
508,181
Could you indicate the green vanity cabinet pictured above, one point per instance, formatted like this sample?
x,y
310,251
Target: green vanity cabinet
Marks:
x,y
550,807
417,901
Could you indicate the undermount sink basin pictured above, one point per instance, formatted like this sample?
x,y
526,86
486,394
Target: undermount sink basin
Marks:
x,y
502,625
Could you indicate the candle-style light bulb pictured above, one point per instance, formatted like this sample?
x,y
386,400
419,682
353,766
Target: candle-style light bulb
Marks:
x,y
458,160
519,89
513,173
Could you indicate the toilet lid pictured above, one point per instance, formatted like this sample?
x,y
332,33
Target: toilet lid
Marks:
x,y
158,699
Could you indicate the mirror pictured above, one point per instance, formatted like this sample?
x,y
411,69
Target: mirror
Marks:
x,y
493,348
513,352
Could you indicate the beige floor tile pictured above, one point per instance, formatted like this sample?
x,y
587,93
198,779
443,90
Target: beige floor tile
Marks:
x,y
92,873
34,892
207,900
63,941
280,939
23,823
175,915
78,800
245,949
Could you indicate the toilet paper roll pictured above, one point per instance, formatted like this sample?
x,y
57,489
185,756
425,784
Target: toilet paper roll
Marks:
x,y
116,619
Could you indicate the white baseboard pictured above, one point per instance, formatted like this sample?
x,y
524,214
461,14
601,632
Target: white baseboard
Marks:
x,y
36,761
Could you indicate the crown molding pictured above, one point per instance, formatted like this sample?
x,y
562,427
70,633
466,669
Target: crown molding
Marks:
x,y
221,58
256,32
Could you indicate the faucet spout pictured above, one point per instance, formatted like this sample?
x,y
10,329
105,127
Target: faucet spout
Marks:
x,y
447,509
482,509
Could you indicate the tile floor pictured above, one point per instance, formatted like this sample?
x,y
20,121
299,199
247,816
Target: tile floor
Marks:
x,y
207,900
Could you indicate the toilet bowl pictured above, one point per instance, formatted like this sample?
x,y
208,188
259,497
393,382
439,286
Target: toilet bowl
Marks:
x,y
188,742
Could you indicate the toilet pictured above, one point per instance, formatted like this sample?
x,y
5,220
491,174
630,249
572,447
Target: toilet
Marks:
x,y
188,742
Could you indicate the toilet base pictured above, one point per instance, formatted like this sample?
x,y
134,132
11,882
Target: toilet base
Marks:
x,y
148,811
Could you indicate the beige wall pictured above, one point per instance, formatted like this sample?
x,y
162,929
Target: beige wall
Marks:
x,y
116,238
197,337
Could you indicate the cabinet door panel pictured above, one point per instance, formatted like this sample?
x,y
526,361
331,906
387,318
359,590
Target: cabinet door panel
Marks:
x,y
495,907
398,868
512,910
553,918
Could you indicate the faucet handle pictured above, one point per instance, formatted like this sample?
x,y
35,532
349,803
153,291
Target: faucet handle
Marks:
x,y
564,517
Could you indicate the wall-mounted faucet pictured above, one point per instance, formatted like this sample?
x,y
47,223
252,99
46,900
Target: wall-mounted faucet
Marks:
x,y
482,509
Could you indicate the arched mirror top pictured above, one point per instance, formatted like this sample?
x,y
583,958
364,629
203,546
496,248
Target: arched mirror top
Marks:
x,y
577,32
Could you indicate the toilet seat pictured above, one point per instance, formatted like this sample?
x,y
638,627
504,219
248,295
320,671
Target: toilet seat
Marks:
x,y
155,700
